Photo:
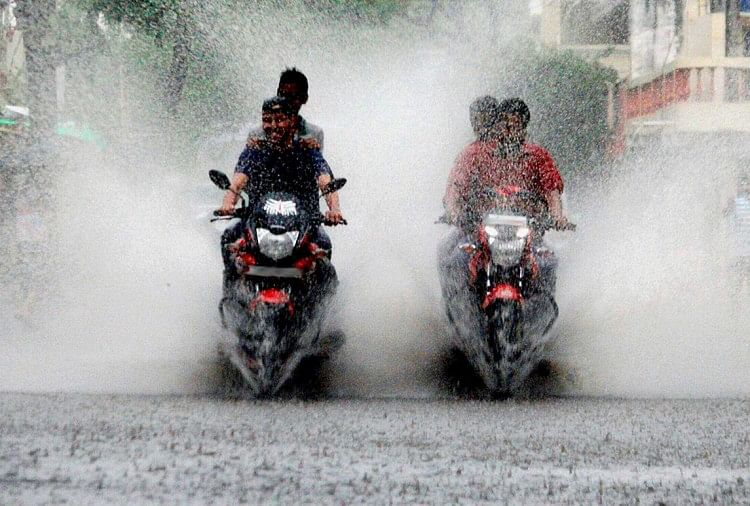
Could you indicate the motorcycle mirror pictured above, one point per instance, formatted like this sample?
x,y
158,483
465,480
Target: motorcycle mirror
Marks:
x,y
219,179
333,186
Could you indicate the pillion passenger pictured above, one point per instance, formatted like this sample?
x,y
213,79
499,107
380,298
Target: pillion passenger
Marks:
x,y
293,86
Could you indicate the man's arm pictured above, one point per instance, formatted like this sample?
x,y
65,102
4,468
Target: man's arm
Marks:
x,y
332,200
324,177
458,185
554,203
310,136
247,160
239,180
551,183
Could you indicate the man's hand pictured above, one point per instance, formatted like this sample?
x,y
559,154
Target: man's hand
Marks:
x,y
309,143
562,223
254,142
239,180
225,211
227,205
334,217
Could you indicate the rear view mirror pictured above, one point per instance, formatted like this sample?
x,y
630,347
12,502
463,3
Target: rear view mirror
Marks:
x,y
219,179
333,186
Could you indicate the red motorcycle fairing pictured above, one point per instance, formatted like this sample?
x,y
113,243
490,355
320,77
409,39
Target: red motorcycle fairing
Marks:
x,y
244,260
273,296
307,263
503,291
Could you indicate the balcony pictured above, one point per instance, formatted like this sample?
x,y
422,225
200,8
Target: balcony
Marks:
x,y
722,84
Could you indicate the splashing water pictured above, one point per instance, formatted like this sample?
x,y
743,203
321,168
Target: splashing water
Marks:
x,y
132,303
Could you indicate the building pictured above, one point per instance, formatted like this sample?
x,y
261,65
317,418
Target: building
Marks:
x,y
684,65
597,30
690,74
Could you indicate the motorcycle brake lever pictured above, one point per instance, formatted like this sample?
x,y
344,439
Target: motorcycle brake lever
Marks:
x,y
329,223
568,227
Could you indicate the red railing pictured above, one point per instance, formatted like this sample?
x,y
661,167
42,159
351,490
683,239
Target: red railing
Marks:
x,y
657,94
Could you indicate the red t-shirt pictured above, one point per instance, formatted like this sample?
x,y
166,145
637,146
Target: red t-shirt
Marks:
x,y
479,167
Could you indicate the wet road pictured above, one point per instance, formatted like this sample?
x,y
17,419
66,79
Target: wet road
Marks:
x,y
91,449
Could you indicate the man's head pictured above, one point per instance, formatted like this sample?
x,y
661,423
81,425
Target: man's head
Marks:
x,y
483,116
279,120
293,87
513,119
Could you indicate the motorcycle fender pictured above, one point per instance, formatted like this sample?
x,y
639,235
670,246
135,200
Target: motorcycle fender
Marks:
x,y
273,296
502,291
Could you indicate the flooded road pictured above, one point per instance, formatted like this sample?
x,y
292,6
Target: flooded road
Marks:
x,y
57,448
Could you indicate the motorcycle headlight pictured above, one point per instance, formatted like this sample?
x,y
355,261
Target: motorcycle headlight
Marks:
x,y
506,246
522,232
276,246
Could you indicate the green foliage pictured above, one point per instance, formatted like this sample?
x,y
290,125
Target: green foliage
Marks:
x,y
140,39
380,11
567,96
570,95
155,17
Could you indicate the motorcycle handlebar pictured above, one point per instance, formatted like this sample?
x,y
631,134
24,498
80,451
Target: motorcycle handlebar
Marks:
x,y
550,224
221,215
568,227
329,223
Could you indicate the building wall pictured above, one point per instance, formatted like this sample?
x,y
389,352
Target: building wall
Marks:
x,y
699,33
551,23
655,35
555,31
701,91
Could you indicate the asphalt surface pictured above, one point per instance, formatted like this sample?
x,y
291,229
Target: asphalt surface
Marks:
x,y
83,449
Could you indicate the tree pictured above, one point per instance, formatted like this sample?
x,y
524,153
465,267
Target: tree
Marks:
x,y
34,20
567,96
169,22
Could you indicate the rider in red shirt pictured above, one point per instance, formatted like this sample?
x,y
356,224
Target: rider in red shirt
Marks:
x,y
504,158
500,157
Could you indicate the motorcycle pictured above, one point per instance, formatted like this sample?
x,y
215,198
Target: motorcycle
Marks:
x,y
500,305
277,297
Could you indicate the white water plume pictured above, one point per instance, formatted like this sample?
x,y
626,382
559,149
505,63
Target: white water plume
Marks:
x,y
647,289
640,289
132,303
